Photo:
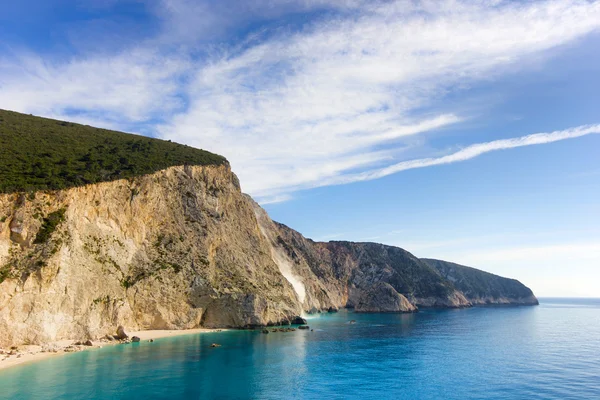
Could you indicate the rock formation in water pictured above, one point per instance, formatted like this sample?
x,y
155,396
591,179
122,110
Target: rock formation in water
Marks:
x,y
182,248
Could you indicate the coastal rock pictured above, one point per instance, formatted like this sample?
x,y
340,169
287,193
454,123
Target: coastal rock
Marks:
x,y
121,333
135,339
483,288
177,249
183,248
337,274
88,343
304,327
382,297
50,348
298,321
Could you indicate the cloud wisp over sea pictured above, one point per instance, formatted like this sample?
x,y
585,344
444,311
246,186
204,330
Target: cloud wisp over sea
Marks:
x,y
473,151
297,98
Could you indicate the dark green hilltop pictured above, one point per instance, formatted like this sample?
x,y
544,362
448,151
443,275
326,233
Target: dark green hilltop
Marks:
x,y
45,154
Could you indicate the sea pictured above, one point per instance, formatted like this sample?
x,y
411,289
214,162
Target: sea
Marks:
x,y
550,351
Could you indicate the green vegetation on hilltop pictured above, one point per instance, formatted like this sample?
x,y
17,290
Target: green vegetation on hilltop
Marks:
x,y
39,153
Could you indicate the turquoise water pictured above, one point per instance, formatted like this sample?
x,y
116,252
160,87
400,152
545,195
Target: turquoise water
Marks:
x,y
547,352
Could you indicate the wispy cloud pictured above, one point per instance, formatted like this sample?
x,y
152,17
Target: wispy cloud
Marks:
x,y
473,151
331,236
116,91
296,104
316,107
277,199
585,250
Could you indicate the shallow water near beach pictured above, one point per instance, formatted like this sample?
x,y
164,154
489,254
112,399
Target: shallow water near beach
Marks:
x,y
547,352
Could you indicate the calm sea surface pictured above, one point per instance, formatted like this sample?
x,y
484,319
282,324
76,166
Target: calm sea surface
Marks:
x,y
547,352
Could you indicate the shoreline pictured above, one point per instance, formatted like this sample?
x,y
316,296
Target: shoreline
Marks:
x,y
32,353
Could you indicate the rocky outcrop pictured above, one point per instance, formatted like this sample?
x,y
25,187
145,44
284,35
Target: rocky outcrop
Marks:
x,y
483,288
372,277
183,248
177,249
342,274
121,333
298,321
382,297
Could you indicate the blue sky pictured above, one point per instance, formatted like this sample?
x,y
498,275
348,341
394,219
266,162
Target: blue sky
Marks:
x,y
403,122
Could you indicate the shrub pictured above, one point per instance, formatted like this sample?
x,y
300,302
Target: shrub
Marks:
x,y
49,225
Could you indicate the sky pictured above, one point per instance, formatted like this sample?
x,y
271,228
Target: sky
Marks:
x,y
462,130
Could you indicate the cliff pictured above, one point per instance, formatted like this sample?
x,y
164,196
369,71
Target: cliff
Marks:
x,y
483,288
347,274
177,249
182,247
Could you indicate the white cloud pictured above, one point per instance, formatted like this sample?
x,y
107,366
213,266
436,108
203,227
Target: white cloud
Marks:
x,y
277,199
314,108
335,101
128,87
546,253
473,151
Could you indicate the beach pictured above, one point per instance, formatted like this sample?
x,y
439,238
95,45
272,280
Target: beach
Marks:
x,y
31,353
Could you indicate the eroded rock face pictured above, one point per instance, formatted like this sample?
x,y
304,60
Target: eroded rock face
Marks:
x,y
483,288
340,274
372,276
177,249
184,248
382,297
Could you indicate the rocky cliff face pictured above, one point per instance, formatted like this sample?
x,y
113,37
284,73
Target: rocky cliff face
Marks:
x,y
483,288
183,248
347,274
372,277
177,249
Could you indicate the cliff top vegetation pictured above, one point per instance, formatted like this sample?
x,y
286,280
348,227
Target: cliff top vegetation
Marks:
x,y
45,154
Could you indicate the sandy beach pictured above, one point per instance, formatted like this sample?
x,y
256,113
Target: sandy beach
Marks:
x,y
30,353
